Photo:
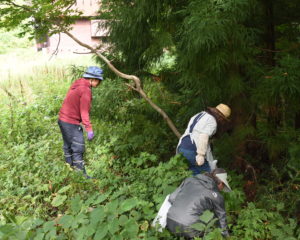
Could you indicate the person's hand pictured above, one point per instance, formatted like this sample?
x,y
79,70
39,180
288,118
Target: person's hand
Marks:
x,y
90,135
199,160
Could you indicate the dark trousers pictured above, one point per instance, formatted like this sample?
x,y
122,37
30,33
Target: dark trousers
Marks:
x,y
181,230
191,157
74,146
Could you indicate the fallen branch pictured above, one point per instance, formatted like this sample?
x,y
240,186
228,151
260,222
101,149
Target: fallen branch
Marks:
x,y
137,83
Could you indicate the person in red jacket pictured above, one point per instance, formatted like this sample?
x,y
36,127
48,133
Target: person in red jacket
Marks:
x,y
75,111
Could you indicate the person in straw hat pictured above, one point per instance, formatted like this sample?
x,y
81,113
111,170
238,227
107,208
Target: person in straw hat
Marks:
x,y
194,143
194,196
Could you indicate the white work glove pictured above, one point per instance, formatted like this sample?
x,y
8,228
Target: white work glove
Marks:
x,y
199,159
201,142
213,164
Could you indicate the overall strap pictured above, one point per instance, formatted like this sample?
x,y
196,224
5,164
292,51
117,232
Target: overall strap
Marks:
x,y
196,120
187,142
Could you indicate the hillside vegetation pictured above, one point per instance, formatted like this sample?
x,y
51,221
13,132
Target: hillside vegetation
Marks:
x,y
189,55
132,158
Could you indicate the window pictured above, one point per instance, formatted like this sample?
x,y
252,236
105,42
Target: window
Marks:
x,y
98,28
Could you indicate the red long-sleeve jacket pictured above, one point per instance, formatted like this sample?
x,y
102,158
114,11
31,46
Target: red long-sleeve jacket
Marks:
x,y
76,106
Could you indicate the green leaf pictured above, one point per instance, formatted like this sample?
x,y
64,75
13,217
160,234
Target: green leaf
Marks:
x,y
81,219
43,187
97,215
123,219
198,226
39,236
85,232
90,230
58,200
66,221
49,226
37,222
128,204
76,204
7,229
51,235
206,216
100,199
101,232
64,189
280,206
117,237
131,229
112,207
211,223
113,227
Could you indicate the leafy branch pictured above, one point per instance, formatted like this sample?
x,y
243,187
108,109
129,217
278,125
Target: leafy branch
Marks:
x,y
136,83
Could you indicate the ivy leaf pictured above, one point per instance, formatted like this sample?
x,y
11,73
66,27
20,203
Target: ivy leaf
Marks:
x,y
58,200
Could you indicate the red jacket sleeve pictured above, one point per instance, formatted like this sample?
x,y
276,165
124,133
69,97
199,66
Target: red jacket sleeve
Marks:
x,y
85,105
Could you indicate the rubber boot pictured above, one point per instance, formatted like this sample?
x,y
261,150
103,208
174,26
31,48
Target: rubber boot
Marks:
x,y
79,166
69,161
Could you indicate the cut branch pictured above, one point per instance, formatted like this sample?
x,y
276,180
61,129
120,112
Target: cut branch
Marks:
x,y
57,46
136,81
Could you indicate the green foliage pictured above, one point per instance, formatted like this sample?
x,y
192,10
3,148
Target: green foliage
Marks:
x,y
189,54
37,17
45,199
255,223
206,226
9,40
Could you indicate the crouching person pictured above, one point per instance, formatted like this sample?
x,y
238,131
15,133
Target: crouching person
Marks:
x,y
194,196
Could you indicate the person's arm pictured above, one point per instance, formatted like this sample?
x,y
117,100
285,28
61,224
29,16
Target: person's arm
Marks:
x,y
173,195
85,105
201,134
201,141
219,210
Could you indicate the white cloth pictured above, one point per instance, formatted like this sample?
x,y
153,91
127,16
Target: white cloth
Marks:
x,y
207,125
161,217
213,164
201,145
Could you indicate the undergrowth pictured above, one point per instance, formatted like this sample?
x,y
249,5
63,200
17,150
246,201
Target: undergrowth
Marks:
x,y
132,158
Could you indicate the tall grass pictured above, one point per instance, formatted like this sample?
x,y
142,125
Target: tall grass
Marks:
x,y
32,74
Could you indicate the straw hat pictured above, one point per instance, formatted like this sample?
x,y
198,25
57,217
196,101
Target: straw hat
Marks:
x,y
224,109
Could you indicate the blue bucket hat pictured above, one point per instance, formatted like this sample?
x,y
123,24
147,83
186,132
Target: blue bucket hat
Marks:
x,y
93,72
